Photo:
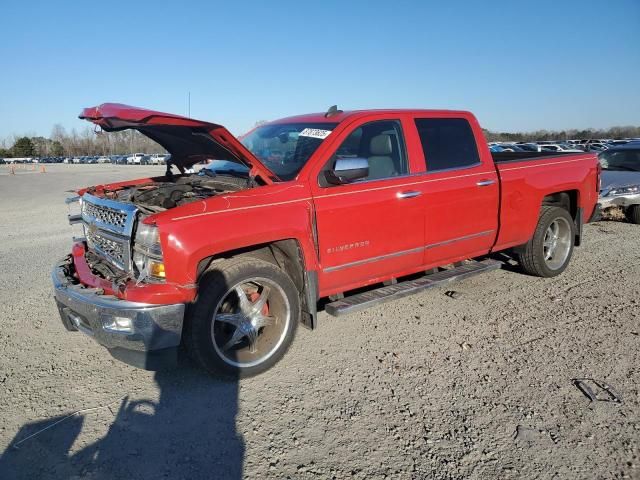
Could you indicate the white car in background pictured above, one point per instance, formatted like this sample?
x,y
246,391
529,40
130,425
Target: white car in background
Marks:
x,y
554,147
103,159
135,159
158,159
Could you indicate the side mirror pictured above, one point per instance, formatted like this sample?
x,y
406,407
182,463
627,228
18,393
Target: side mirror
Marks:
x,y
348,170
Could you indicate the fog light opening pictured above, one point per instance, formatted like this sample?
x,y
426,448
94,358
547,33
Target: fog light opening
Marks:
x,y
118,324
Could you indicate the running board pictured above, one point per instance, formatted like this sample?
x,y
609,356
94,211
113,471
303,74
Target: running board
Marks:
x,y
380,295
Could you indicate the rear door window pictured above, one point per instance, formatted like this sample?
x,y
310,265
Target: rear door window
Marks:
x,y
447,143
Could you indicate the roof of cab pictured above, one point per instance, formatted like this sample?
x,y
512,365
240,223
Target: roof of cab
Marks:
x,y
342,116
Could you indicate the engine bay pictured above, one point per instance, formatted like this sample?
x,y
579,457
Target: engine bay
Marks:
x,y
159,196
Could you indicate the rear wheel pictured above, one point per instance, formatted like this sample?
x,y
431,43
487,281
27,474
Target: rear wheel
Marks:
x,y
549,251
633,214
244,318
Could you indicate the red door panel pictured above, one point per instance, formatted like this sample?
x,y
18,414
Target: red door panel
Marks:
x,y
371,229
462,188
368,231
461,214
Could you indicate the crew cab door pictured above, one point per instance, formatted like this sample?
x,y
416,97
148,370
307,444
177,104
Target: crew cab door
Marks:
x,y
373,227
462,191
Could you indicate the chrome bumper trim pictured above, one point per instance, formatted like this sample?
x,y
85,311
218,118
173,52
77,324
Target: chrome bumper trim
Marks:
x,y
153,327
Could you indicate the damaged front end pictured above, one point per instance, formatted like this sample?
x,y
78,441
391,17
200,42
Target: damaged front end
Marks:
x,y
113,287
140,334
121,244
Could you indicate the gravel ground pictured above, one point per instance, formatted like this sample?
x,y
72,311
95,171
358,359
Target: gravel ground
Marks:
x,y
475,386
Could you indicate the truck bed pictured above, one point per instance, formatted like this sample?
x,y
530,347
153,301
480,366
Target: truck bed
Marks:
x,y
524,181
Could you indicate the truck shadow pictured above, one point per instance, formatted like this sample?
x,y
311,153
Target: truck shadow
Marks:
x,y
188,433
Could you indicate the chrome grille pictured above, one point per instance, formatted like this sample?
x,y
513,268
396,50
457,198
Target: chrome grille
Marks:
x,y
106,215
108,229
113,249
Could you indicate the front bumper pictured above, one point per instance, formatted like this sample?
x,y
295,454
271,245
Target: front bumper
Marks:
x,y
140,334
623,201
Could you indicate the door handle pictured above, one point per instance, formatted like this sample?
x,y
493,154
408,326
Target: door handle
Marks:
x,y
408,194
485,183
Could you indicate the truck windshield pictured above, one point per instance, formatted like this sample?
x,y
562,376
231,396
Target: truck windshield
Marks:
x,y
286,147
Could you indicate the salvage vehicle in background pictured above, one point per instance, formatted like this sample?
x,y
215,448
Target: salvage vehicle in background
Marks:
x,y
158,159
136,159
621,180
228,261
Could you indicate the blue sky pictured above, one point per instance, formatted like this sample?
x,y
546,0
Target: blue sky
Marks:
x,y
518,65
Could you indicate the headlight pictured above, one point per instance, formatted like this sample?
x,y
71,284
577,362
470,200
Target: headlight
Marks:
x,y
147,253
630,190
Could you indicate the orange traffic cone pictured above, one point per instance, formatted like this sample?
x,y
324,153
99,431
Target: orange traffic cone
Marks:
x,y
12,169
42,169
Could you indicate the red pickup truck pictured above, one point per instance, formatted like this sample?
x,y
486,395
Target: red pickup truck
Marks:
x,y
350,207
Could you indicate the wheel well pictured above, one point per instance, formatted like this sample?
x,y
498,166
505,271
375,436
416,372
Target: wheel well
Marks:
x,y
286,254
567,200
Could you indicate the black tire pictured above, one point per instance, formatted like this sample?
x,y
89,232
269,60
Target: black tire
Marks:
x,y
214,287
532,257
633,214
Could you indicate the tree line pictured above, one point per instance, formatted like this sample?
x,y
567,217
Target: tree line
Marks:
x,y
561,135
78,143
87,142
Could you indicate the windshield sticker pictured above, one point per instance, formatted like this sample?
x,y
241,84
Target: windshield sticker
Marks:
x,y
315,133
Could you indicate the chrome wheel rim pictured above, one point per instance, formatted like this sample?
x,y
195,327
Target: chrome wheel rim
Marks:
x,y
557,243
250,322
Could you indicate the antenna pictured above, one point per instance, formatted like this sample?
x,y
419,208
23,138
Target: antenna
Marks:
x,y
333,110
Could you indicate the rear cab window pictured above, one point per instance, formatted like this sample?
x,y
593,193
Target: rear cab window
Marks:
x,y
447,143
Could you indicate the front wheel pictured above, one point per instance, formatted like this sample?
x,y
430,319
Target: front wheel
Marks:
x,y
244,318
549,251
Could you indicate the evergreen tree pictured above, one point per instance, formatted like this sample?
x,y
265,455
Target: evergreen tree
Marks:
x,y
23,148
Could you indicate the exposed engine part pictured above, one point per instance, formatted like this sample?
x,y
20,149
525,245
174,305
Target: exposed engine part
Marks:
x,y
158,196
104,269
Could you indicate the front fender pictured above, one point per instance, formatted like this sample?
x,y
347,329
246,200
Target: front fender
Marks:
x,y
230,222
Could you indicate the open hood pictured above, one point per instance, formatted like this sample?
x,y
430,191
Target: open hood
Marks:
x,y
188,141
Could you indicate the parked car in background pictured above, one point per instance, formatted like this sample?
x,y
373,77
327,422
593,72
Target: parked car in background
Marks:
x,y
555,147
615,143
103,159
530,147
511,147
158,159
224,167
594,146
621,180
135,159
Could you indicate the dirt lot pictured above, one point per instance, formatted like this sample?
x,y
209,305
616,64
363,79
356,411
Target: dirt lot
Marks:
x,y
474,386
